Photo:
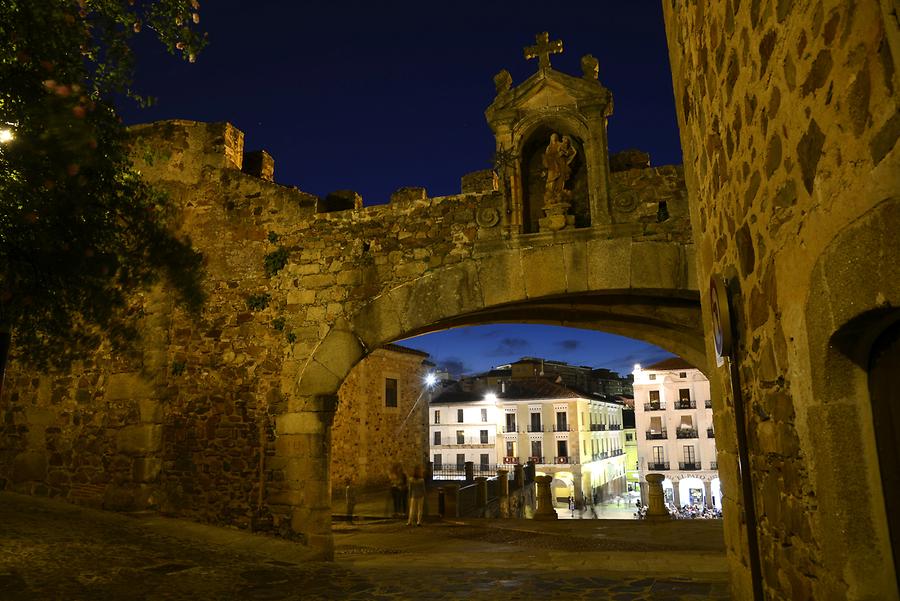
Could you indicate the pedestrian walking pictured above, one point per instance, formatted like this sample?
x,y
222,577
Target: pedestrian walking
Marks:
x,y
416,485
350,498
398,490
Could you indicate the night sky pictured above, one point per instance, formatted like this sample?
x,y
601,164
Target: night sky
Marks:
x,y
372,96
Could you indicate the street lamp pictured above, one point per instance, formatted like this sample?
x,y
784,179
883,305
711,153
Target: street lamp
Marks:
x,y
6,135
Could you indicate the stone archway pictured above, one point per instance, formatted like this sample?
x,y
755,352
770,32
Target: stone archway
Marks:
x,y
853,299
642,290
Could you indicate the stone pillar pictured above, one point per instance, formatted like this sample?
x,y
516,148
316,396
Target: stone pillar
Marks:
x,y
579,493
302,445
656,507
520,475
481,491
707,493
470,471
503,481
545,510
676,493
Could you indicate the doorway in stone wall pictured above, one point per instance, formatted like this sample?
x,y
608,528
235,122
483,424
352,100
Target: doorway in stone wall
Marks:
x,y
884,365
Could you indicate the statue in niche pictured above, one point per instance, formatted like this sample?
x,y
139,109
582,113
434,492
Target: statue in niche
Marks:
x,y
557,162
558,158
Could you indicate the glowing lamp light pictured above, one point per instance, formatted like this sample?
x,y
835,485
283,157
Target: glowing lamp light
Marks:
x,y
6,135
490,397
430,380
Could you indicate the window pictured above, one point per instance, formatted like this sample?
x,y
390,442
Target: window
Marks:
x,y
437,416
561,421
390,392
658,455
652,376
536,449
510,422
460,437
654,396
484,415
562,448
536,422
484,461
629,436
510,448
484,437
459,416
689,453
460,460
684,394
437,461
437,438
682,374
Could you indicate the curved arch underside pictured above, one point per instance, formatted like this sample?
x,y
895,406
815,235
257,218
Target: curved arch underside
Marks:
x,y
672,323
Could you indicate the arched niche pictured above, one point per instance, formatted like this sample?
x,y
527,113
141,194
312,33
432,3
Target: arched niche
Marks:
x,y
534,178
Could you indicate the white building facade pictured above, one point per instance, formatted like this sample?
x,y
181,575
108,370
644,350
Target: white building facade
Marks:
x,y
577,440
675,435
463,429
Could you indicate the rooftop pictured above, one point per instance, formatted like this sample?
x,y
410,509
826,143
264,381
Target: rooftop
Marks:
x,y
670,364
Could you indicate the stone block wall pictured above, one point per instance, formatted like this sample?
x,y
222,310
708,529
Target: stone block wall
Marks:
x,y
789,119
226,416
368,438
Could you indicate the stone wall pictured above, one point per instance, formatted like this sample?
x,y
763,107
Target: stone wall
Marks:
x,y
368,438
789,120
225,416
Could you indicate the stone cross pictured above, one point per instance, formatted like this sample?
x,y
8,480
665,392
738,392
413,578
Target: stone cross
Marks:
x,y
543,49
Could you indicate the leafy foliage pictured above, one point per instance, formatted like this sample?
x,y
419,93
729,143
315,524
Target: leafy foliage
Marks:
x,y
275,261
258,302
80,232
278,323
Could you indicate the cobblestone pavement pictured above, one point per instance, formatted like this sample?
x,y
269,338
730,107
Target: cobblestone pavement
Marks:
x,y
50,550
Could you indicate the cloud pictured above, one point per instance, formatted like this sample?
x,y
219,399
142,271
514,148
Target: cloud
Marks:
x,y
454,365
624,364
568,345
509,346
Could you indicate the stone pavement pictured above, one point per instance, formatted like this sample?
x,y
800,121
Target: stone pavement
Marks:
x,y
51,550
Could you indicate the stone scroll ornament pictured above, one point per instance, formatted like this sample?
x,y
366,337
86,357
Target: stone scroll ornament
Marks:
x,y
487,217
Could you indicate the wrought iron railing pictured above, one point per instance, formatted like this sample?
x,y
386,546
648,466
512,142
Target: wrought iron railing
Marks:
x,y
658,466
657,434
686,433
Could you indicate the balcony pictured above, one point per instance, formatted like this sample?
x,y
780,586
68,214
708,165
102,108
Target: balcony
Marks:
x,y
686,404
710,433
536,460
657,435
714,465
654,406
603,455
659,466
615,426
510,460
707,404
510,429
686,433
561,428
616,453
561,460
598,427
535,428
684,465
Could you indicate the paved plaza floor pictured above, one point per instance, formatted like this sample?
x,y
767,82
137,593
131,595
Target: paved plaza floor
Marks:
x,y
52,550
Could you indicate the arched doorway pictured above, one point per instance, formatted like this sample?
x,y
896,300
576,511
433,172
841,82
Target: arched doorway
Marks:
x,y
884,365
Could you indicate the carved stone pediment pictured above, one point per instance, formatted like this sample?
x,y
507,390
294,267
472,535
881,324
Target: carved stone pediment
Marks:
x,y
526,118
